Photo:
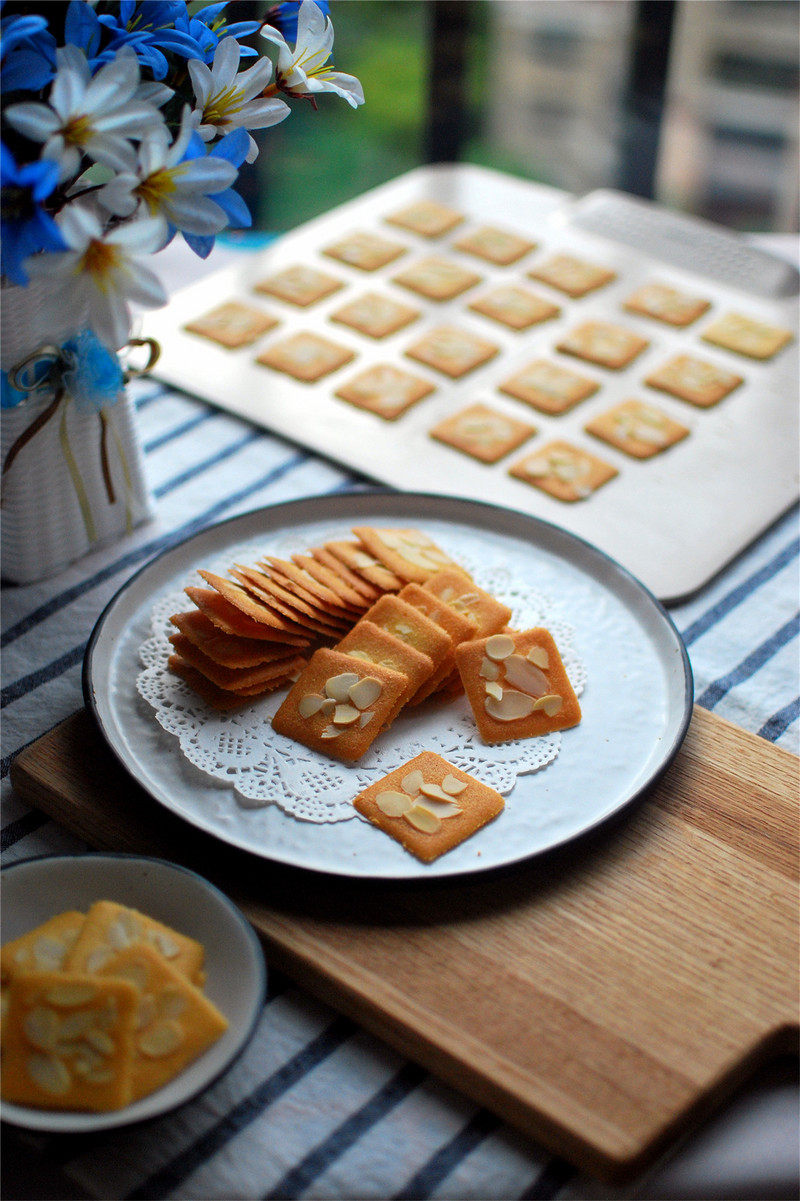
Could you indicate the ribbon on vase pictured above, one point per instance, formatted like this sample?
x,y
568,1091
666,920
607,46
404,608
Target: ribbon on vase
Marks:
x,y
85,372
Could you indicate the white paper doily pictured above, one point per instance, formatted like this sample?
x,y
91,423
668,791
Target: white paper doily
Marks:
x,y
241,750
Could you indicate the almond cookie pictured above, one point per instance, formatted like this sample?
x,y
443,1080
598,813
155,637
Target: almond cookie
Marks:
x,y
575,276
694,380
482,432
746,336
603,343
457,589
375,316
515,307
666,304
385,390
232,324
495,245
437,278
564,471
305,356
549,387
637,429
409,553
373,644
516,685
453,351
340,704
429,806
411,626
366,251
299,285
427,218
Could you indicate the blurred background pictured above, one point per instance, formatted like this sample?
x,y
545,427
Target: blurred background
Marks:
x,y
693,103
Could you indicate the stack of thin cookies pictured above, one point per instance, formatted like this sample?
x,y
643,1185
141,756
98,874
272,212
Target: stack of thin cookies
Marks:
x,y
253,630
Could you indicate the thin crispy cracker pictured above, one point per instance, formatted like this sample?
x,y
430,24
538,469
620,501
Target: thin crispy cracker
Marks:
x,y
231,620
291,607
356,556
235,679
218,698
229,650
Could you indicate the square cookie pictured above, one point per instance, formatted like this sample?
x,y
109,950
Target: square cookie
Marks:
x,y
340,704
299,285
232,324
603,343
409,553
454,352
410,625
666,304
694,380
429,806
372,644
575,276
564,471
305,356
517,685
495,245
549,387
515,307
375,316
744,335
366,251
437,278
458,589
385,390
427,218
482,432
638,429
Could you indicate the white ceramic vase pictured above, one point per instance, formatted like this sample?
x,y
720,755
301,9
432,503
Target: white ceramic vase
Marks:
x,y
72,478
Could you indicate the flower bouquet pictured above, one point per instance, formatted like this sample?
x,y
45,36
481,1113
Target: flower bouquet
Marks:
x,y
124,125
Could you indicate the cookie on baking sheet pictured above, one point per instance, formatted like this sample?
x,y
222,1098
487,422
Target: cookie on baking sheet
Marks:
x,y
437,278
744,335
410,554
549,387
516,685
495,245
482,432
385,390
375,316
427,218
373,644
305,356
340,704
575,276
638,429
366,251
564,471
515,307
454,352
357,559
429,806
666,304
694,380
299,285
232,324
457,589
603,343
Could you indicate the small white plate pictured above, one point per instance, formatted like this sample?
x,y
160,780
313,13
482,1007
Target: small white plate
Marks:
x,y
37,889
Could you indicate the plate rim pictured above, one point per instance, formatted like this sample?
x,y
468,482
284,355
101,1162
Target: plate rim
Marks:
x,y
370,496
27,1117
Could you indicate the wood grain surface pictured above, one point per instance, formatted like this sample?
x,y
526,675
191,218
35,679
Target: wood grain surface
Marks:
x,y
603,998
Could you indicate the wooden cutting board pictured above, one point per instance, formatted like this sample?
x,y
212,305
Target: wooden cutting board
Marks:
x,y
603,999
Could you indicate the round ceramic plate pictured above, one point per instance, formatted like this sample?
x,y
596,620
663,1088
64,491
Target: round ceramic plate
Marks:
x,y
37,889
636,705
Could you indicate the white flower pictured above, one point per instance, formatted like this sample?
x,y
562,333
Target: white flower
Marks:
x,y
170,188
100,274
227,100
304,70
85,114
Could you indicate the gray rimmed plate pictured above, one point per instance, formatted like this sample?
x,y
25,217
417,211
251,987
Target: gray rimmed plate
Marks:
x,y
37,889
636,706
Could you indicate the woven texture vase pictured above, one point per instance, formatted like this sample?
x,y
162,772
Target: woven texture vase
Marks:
x,y
72,478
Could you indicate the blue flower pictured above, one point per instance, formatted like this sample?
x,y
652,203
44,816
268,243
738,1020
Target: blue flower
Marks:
x,y
150,28
233,148
216,27
28,53
26,228
92,374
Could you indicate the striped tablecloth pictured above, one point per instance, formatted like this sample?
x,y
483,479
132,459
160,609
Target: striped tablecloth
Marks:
x,y
317,1107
